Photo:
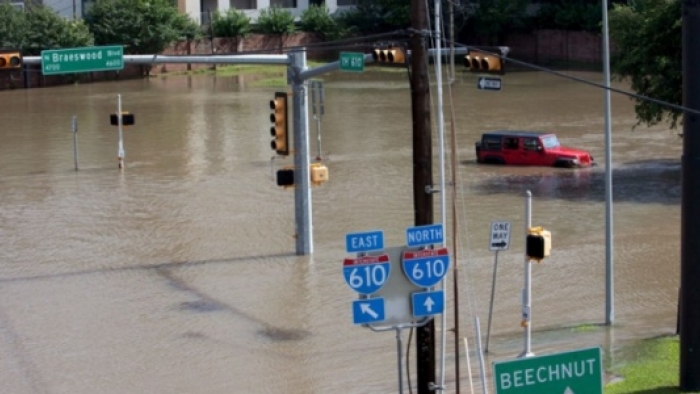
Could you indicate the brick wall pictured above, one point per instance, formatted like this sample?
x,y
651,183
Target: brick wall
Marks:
x,y
547,46
259,43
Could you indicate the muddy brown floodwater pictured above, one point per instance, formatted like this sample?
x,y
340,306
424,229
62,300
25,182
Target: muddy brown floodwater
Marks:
x,y
178,274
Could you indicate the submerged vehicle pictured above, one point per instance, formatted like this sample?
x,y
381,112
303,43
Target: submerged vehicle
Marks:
x,y
529,148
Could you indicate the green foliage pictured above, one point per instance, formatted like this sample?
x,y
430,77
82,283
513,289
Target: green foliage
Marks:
x,y
232,24
12,28
275,20
496,18
648,37
142,26
570,15
40,28
317,19
376,16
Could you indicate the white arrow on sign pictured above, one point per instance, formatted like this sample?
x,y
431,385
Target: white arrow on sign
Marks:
x,y
486,83
428,304
569,391
365,308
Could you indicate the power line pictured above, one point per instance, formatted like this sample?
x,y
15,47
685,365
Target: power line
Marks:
x,y
587,82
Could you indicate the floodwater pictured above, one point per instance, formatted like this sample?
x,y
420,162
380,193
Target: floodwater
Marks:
x,y
178,274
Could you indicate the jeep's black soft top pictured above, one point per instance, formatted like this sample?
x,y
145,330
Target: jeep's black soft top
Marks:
x,y
514,133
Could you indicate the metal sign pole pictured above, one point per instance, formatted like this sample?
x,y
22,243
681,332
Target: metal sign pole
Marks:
x,y
493,292
302,182
318,111
527,291
75,142
399,356
120,152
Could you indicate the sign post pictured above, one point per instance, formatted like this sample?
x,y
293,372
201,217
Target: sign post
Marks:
x,y
573,372
499,240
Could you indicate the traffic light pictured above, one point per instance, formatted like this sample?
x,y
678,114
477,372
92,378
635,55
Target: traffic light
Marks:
x,y
538,243
477,61
10,60
319,173
285,177
392,54
127,119
278,117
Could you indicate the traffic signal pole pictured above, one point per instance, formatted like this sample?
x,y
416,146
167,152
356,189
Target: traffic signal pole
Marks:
x,y
302,179
422,176
690,208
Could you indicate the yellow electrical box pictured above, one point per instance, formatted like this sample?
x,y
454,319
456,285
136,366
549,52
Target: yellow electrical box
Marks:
x,y
538,243
319,173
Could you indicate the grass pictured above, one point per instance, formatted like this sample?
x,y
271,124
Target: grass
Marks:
x,y
265,75
653,368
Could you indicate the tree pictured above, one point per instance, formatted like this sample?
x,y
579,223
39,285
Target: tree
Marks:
x,y
317,19
232,24
142,26
376,16
275,20
40,28
648,37
496,18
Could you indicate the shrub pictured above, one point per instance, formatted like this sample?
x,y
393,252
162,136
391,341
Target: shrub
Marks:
x,y
142,26
42,28
232,24
317,19
275,20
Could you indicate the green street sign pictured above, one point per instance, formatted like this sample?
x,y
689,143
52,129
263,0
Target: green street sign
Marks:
x,y
80,60
574,372
352,61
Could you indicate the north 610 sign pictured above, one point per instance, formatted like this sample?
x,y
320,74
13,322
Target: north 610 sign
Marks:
x,y
367,274
426,268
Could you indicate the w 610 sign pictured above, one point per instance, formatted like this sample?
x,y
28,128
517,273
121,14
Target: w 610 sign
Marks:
x,y
368,274
426,268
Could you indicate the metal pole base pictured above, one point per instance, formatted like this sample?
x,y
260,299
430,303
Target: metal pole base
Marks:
x,y
526,355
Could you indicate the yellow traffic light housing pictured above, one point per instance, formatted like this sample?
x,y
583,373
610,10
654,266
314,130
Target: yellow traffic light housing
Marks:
x,y
10,60
319,173
482,62
538,243
279,129
393,54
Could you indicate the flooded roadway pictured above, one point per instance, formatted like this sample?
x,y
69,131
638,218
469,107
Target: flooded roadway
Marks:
x,y
178,274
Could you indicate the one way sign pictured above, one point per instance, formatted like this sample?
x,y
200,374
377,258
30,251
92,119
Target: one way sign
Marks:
x,y
489,83
500,236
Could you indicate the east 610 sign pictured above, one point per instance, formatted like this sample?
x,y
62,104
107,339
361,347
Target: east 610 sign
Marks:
x,y
367,274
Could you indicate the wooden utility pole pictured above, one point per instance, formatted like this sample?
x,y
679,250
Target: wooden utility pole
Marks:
x,y
690,202
422,175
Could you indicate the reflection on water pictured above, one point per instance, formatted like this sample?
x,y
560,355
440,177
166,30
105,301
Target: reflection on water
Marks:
x,y
178,274
647,181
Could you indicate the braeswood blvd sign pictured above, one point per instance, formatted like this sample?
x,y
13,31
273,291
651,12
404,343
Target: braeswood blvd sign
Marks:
x,y
86,59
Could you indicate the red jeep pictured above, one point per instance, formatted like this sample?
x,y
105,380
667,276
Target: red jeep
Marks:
x,y
528,148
